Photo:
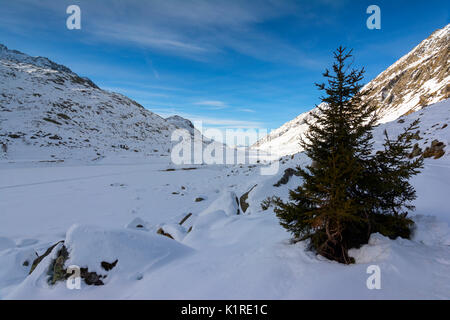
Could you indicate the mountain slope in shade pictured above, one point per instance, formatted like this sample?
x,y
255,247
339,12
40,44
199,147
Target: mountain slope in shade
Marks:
x,y
418,79
47,112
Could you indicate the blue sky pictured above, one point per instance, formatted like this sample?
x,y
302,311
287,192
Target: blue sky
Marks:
x,y
230,63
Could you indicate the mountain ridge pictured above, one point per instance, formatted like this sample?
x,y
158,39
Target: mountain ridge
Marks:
x,y
419,78
48,111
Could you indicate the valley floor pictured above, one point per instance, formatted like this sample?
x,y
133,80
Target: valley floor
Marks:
x,y
112,210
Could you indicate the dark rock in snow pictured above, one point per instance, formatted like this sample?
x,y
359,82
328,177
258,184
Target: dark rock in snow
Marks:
x,y
40,258
185,218
243,199
436,150
163,233
288,173
109,266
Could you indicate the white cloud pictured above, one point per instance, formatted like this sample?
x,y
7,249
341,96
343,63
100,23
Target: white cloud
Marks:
x,y
246,110
195,29
216,105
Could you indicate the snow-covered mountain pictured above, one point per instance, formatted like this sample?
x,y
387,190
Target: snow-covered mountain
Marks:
x,y
156,230
140,232
418,79
182,123
47,112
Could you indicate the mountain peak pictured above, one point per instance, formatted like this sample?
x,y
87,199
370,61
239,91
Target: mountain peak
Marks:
x,y
48,111
418,79
20,57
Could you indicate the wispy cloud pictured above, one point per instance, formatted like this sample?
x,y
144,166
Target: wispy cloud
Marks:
x,y
194,29
246,110
212,104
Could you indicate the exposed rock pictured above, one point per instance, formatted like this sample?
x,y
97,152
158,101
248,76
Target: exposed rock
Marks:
x,y
436,150
137,223
163,233
57,272
91,278
288,173
417,151
109,266
243,199
40,258
416,136
199,199
185,218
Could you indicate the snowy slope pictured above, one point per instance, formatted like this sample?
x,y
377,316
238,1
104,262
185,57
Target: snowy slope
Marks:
x,y
113,211
418,79
48,113
123,208
181,122
434,125
286,139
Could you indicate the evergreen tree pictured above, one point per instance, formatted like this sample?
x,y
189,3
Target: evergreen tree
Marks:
x,y
339,143
348,192
392,190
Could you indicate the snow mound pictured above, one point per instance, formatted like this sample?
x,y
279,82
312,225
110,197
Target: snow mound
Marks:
x,y
136,251
137,224
228,202
378,249
176,231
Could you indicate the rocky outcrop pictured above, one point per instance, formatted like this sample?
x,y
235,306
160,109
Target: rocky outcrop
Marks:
x,y
243,199
163,233
288,173
436,150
